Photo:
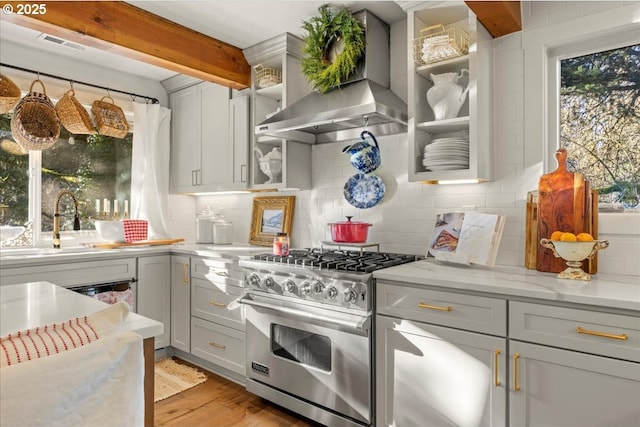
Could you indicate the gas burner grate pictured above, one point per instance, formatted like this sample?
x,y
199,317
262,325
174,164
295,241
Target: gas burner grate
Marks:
x,y
339,260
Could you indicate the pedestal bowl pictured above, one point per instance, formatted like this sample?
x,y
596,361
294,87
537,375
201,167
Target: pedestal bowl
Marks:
x,y
574,253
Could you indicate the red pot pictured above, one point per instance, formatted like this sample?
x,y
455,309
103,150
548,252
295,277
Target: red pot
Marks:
x,y
349,231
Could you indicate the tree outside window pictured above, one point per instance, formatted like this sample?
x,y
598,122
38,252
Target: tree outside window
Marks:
x,y
90,166
600,121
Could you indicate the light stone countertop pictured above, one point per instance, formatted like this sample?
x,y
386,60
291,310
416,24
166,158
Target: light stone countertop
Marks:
x,y
22,257
27,305
621,292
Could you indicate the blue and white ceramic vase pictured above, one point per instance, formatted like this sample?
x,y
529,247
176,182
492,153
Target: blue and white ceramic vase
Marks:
x,y
365,157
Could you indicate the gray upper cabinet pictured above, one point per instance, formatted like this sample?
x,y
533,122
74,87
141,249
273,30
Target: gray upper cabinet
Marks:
x,y
280,53
209,139
427,24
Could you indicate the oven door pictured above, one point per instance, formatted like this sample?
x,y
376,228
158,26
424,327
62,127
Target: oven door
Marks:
x,y
320,356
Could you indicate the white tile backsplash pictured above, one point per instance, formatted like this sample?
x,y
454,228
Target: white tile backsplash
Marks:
x,y
404,220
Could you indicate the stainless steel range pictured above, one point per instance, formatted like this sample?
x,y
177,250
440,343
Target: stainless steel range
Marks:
x,y
309,331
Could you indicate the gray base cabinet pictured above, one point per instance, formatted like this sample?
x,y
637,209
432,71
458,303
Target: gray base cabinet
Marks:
x,y
430,375
578,367
455,359
217,324
154,293
566,388
180,303
71,274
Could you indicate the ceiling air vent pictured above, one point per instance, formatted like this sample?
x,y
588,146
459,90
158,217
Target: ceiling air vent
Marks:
x,y
59,41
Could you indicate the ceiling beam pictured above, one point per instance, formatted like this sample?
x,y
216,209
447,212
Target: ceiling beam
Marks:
x,y
126,30
498,17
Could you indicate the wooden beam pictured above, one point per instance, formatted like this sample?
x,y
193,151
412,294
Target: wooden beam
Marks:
x,y
129,31
498,17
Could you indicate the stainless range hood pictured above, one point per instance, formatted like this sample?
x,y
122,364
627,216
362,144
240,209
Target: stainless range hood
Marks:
x,y
342,113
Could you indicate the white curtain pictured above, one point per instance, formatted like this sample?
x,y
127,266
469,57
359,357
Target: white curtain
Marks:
x,y
150,167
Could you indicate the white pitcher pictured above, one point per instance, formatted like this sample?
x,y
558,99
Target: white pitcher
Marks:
x,y
446,97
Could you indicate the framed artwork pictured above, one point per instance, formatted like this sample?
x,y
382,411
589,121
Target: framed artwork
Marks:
x,y
270,215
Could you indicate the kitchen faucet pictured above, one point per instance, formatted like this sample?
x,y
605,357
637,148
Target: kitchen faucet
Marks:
x,y
56,217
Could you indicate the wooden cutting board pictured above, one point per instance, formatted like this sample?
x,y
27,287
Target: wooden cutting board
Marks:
x,y
565,204
106,245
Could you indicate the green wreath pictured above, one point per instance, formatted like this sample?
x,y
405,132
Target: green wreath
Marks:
x,y
323,32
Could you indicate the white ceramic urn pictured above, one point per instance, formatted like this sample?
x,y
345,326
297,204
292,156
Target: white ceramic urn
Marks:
x,y
446,96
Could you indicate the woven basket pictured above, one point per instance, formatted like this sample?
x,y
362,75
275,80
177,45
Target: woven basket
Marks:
x,y
267,76
9,94
73,116
110,119
34,124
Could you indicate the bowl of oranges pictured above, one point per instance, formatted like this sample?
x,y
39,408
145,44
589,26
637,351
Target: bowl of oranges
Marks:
x,y
573,248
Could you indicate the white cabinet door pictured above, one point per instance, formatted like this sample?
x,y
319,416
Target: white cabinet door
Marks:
x,y
185,139
554,387
209,139
154,293
435,376
180,303
217,146
240,137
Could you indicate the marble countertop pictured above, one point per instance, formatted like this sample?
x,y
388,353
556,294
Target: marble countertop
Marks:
x,y
19,257
27,305
621,292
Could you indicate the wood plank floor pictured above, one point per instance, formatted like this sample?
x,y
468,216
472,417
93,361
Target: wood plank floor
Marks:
x,y
222,403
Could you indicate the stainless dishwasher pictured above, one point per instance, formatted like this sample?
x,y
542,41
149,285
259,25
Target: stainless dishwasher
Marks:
x,y
111,292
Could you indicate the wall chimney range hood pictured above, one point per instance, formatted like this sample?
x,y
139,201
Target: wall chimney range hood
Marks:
x,y
342,113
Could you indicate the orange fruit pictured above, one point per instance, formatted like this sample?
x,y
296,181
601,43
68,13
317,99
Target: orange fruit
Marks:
x,y
568,237
584,237
556,235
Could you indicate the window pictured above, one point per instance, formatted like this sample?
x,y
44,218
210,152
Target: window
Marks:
x,y
600,121
92,167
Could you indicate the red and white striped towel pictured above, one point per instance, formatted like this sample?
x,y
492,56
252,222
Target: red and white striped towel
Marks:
x,y
52,339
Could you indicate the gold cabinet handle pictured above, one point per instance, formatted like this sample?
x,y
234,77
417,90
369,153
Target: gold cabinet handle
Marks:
x,y
222,273
215,344
185,277
434,307
516,382
496,358
217,304
601,334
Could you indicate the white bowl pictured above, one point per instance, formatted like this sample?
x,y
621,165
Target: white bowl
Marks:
x,y
110,231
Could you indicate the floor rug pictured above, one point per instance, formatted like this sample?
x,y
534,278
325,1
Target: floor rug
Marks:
x,y
171,378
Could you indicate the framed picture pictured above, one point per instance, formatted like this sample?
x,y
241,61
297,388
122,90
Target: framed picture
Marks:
x,y
270,215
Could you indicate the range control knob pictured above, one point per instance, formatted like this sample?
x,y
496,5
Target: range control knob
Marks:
x,y
305,288
290,286
254,280
318,287
332,292
350,296
268,282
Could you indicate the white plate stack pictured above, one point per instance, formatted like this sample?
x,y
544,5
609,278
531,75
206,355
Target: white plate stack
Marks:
x,y
447,154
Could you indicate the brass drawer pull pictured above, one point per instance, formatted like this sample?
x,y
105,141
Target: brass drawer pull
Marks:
x,y
601,334
516,382
434,307
222,273
496,357
215,344
185,276
217,304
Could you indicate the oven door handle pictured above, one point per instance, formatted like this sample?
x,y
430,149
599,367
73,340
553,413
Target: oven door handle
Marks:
x,y
360,326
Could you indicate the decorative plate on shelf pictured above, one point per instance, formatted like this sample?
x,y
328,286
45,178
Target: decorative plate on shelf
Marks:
x,y
363,191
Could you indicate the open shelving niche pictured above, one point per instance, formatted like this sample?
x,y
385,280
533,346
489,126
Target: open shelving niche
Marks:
x,y
475,116
282,52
